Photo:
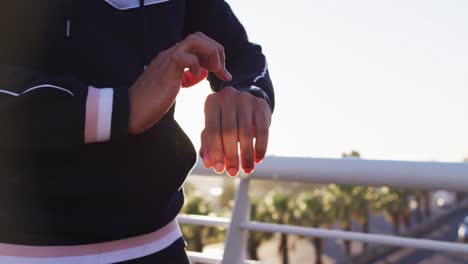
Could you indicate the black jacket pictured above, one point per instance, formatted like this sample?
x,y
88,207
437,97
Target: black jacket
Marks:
x,y
60,186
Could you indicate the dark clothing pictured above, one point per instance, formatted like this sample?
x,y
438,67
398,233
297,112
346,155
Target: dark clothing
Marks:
x,y
54,188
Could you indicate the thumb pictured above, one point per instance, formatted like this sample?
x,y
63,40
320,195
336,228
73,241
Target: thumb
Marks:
x,y
189,79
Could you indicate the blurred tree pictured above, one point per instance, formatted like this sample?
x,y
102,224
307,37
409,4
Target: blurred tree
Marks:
x,y
460,196
198,236
194,234
226,199
362,197
258,212
423,200
405,209
352,154
393,203
427,203
387,203
279,207
418,198
315,209
343,206
344,202
189,188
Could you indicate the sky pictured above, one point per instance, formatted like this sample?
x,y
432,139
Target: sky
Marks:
x,y
386,78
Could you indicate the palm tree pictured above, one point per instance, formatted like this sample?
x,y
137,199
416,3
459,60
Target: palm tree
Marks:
x,y
387,203
278,206
393,203
316,209
198,236
361,199
258,212
189,189
352,154
418,197
194,234
404,196
460,196
344,203
427,203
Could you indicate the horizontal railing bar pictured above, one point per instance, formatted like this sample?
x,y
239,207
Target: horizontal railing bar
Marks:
x,y
203,220
357,236
336,234
408,174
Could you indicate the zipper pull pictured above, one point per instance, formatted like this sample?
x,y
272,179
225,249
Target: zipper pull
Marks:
x,y
68,34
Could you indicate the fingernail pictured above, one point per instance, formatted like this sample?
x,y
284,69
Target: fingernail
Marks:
x,y
219,167
206,163
258,160
248,171
228,74
233,172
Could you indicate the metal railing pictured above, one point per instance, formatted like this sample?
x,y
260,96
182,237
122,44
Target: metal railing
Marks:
x,y
407,174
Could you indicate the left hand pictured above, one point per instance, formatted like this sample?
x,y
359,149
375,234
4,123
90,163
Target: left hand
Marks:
x,y
232,118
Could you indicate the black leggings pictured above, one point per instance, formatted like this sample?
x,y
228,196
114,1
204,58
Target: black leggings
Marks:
x,y
174,254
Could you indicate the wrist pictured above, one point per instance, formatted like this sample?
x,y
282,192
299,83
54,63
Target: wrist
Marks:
x,y
257,92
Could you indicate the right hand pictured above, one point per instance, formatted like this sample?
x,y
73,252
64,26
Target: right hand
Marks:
x,y
155,91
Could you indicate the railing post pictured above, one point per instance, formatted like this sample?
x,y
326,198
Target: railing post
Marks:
x,y
236,242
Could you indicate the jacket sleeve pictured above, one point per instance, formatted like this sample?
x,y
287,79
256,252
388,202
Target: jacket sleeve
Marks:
x,y
39,112
244,59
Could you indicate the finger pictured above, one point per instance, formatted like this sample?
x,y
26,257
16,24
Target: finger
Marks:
x,y
190,79
203,153
218,46
262,125
220,49
213,133
181,61
246,136
207,53
230,135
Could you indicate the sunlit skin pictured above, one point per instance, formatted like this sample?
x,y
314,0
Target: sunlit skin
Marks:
x,y
232,118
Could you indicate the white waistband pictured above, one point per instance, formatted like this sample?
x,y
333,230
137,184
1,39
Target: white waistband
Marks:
x,y
99,253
